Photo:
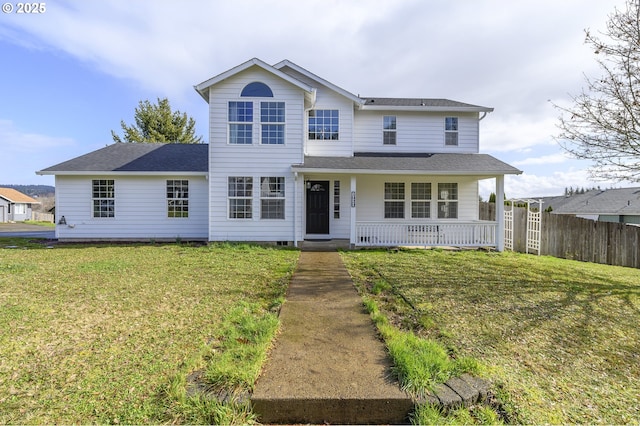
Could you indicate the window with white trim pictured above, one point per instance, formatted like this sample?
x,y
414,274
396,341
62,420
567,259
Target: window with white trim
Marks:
x,y
447,201
389,130
240,194
324,124
272,200
451,131
272,123
177,198
420,200
240,123
103,197
394,200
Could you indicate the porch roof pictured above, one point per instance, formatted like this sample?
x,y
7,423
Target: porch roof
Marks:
x,y
409,164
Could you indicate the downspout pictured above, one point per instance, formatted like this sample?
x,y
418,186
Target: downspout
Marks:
x,y
295,209
484,114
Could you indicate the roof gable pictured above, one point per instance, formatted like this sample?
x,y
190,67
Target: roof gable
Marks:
x,y
14,196
137,158
288,64
203,88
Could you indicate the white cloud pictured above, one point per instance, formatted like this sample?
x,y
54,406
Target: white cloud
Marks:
x,y
15,141
24,153
542,160
516,132
510,55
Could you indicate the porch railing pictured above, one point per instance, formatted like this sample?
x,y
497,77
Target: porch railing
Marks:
x,y
457,234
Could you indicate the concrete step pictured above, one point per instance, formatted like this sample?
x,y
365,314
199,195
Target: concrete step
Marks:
x,y
333,410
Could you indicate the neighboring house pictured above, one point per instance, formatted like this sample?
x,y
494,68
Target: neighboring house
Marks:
x,y
620,205
293,157
15,206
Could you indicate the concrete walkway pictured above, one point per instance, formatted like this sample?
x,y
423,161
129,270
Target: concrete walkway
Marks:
x,y
328,365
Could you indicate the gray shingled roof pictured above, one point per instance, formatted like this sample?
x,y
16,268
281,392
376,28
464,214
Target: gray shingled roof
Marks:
x,y
445,164
420,102
621,201
138,157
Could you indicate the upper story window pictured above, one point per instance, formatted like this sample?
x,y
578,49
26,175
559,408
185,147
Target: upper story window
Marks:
x,y
256,89
389,130
240,122
451,131
103,196
177,198
324,124
447,201
272,122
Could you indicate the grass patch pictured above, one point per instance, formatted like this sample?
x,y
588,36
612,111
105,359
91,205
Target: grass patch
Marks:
x,y
241,347
560,338
420,364
109,334
40,223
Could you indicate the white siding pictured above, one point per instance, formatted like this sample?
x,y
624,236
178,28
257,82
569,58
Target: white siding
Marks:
x,y
370,196
254,160
416,132
343,147
140,209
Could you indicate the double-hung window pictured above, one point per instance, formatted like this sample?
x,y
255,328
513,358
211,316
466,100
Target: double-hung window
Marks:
x,y
272,122
389,130
240,193
420,200
324,124
103,197
272,199
394,200
447,201
177,198
451,131
240,123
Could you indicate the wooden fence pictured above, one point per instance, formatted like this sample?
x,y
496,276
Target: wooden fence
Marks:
x,y
575,238
42,217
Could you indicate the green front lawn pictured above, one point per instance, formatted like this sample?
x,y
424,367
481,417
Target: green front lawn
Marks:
x,y
560,339
108,334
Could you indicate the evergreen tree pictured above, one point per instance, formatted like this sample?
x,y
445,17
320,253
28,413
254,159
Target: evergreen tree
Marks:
x,y
156,123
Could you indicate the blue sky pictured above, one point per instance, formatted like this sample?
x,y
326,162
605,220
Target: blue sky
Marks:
x,y
69,75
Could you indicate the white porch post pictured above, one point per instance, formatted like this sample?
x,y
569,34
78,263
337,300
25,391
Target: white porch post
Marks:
x,y
352,201
500,212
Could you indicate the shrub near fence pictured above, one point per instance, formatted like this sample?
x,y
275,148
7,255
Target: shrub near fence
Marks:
x,y
575,238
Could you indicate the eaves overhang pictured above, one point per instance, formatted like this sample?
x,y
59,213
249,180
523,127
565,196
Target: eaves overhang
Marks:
x,y
118,173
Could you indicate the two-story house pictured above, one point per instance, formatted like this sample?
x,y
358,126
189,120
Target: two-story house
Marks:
x,y
293,157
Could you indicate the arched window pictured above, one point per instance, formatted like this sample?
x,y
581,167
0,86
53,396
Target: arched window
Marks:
x,y
257,90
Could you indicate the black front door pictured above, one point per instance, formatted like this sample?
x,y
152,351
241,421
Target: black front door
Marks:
x,y
317,207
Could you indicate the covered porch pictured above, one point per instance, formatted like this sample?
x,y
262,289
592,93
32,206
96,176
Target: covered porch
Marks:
x,y
420,214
